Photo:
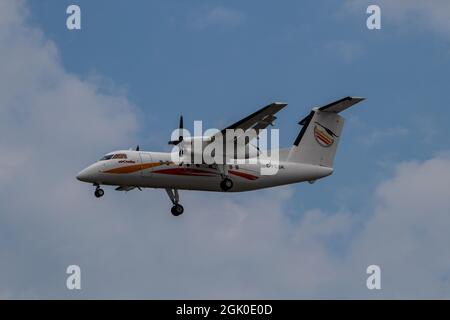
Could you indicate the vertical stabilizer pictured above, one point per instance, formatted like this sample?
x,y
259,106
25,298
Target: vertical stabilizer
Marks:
x,y
319,137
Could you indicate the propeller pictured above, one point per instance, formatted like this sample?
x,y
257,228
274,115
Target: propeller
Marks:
x,y
180,132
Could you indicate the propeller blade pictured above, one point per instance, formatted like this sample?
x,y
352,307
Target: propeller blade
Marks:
x,y
181,129
180,132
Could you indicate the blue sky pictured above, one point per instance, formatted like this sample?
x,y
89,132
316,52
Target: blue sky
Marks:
x,y
135,66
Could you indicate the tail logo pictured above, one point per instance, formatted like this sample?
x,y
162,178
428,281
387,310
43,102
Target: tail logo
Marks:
x,y
323,135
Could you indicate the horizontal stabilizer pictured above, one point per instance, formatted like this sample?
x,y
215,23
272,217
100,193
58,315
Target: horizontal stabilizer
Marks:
x,y
341,105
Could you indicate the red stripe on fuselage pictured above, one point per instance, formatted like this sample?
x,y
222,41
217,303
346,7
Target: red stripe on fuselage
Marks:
x,y
186,172
243,175
202,173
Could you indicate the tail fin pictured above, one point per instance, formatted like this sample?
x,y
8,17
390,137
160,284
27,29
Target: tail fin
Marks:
x,y
319,137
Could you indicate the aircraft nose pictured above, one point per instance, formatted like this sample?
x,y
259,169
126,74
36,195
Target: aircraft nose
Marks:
x,y
82,175
86,175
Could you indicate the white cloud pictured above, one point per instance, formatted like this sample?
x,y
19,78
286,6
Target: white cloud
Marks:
x,y
379,135
225,246
408,233
348,51
44,105
218,16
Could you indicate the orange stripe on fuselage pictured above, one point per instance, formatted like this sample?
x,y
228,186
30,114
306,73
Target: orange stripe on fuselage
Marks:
x,y
175,171
133,168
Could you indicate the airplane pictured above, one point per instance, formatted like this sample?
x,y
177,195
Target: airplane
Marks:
x,y
309,158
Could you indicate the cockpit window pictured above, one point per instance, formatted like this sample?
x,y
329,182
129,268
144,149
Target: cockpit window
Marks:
x,y
120,156
114,156
107,157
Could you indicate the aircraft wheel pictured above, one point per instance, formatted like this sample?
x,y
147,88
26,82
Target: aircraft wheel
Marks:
x,y
226,184
99,193
177,209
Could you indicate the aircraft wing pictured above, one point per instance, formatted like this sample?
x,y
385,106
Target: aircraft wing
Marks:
x,y
258,120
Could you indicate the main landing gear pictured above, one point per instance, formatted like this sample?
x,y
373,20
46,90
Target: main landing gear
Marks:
x,y
98,191
226,183
177,208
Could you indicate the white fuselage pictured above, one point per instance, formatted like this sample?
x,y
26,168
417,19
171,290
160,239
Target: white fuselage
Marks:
x,y
157,170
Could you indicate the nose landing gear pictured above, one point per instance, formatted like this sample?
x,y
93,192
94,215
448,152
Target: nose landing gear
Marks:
x,y
177,208
98,191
